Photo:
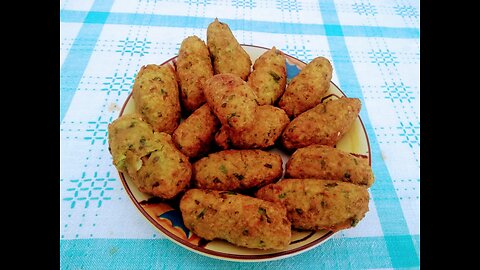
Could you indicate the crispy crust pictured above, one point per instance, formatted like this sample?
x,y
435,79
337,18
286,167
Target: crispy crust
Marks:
x,y
314,204
150,159
231,100
227,54
270,123
237,169
155,92
324,124
241,220
129,133
165,172
324,162
269,77
194,68
306,90
194,136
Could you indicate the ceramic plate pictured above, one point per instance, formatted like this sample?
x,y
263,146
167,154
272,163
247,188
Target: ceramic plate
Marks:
x,y
167,217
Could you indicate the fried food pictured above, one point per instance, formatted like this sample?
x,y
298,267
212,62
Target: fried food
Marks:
x,y
221,138
128,133
231,100
270,123
269,77
237,169
194,67
324,124
314,204
155,92
306,90
324,162
150,159
242,220
227,54
194,136
164,172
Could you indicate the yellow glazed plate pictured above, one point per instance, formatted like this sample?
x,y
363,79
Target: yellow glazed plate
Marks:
x,y
167,218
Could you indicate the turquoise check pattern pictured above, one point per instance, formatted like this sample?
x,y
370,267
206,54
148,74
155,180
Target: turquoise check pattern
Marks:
x,y
374,49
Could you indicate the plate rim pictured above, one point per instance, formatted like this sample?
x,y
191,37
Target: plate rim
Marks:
x,y
220,255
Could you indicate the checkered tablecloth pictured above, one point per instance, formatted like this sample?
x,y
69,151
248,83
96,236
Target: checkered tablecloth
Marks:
x,y
374,49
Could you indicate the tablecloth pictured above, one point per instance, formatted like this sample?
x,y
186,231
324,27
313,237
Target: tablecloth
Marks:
x,y
374,48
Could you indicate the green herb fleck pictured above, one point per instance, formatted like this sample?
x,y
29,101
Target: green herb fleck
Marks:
x,y
143,140
299,211
262,211
162,91
223,169
323,204
132,125
262,243
355,160
201,214
268,165
238,176
281,196
275,76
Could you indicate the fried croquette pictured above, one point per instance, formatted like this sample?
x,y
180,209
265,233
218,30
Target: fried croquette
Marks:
x,y
324,162
227,54
324,124
165,171
269,77
270,123
221,138
194,67
231,100
129,133
155,92
314,204
241,220
194,136
237,169
306,90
